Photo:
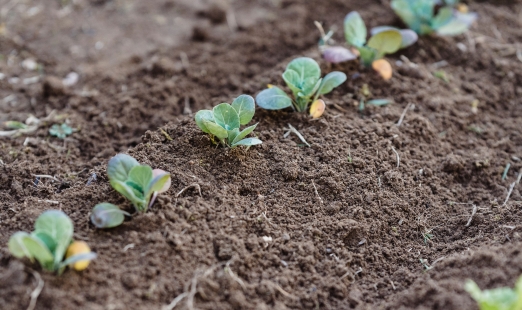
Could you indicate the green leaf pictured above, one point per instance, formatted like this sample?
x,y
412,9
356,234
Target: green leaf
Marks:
x,y
503,298
409,37
107,215
17,247
443,17
331,81
248,142
204,115
386,42
59,227
46,239
141,175
158,184
355,30
76,258
306,68
232,134
119,167
245,107
42,254
15,125
243,134
379,102
273,99
128,193
217,130
310,86
226,116
458,24
292,80
415,13
60,131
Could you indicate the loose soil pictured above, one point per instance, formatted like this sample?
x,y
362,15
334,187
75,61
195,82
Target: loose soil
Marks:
x,y
372,215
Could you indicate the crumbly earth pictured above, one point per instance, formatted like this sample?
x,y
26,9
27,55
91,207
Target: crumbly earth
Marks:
x,y
373,215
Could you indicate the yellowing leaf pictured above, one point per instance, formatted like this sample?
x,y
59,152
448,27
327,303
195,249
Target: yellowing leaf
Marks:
x,y
317,108
76,248
384,68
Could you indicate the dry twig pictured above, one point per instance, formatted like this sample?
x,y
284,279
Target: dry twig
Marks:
x,y
36,292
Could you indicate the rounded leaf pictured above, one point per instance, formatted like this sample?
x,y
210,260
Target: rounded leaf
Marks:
x,y
273,98
120,166
226,116
158,174
107,215
306,68
331,81
409,37
201,116
386,42
217,130
338,54
384,68
317,108
17,247
355,30
59,227
245,107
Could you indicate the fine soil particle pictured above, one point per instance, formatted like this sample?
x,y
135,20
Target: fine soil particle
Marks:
x,y
373,215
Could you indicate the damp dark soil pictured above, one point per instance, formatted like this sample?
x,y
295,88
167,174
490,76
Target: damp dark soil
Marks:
x,y
389,208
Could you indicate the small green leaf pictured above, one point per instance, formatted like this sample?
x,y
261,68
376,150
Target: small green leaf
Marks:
x,y
204,115
331,81
458,24
15,125
409,37
503,298
386,42
17,247
128,193
60,131
160,183
217,130
76,258
119,167
39,251
273,99
306,68
310,86
225,116
232,134
443,17
292,80
141,175
245,107
46,239
244,133
379,102
355,30
107,215
248,142
59,227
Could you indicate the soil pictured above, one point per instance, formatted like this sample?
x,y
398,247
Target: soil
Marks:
x,y
373,215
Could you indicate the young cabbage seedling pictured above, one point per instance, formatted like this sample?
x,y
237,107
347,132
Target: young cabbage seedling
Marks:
x,y
503,298
423,18
60,131
303,77
384,40
49,242
225,120
138,183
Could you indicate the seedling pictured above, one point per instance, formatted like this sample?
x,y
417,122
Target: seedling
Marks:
x,y
423,18
384,40
107,215
225,120
303,77
60,131
138,183
503,298
49,242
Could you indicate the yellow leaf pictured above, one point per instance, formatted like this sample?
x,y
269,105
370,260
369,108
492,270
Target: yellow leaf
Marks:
x,y
384,68
317,108
78,247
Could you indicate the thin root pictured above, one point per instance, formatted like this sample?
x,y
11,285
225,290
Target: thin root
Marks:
x,y
472,214
317,193
398,158
509,193
37,290
401,119
196,185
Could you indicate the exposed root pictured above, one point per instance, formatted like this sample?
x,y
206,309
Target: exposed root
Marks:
x,y
509,193
472,214
195,185
37,290
398,157
317,193
297,133
401,119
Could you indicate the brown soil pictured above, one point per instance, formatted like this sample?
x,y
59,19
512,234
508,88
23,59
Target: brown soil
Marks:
x,y
350,217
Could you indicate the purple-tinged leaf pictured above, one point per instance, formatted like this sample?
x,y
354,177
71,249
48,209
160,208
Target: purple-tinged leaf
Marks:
x,y
338,54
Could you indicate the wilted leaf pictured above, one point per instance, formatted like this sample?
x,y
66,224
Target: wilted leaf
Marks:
x,y
384,68
338,54
107,215
317,108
